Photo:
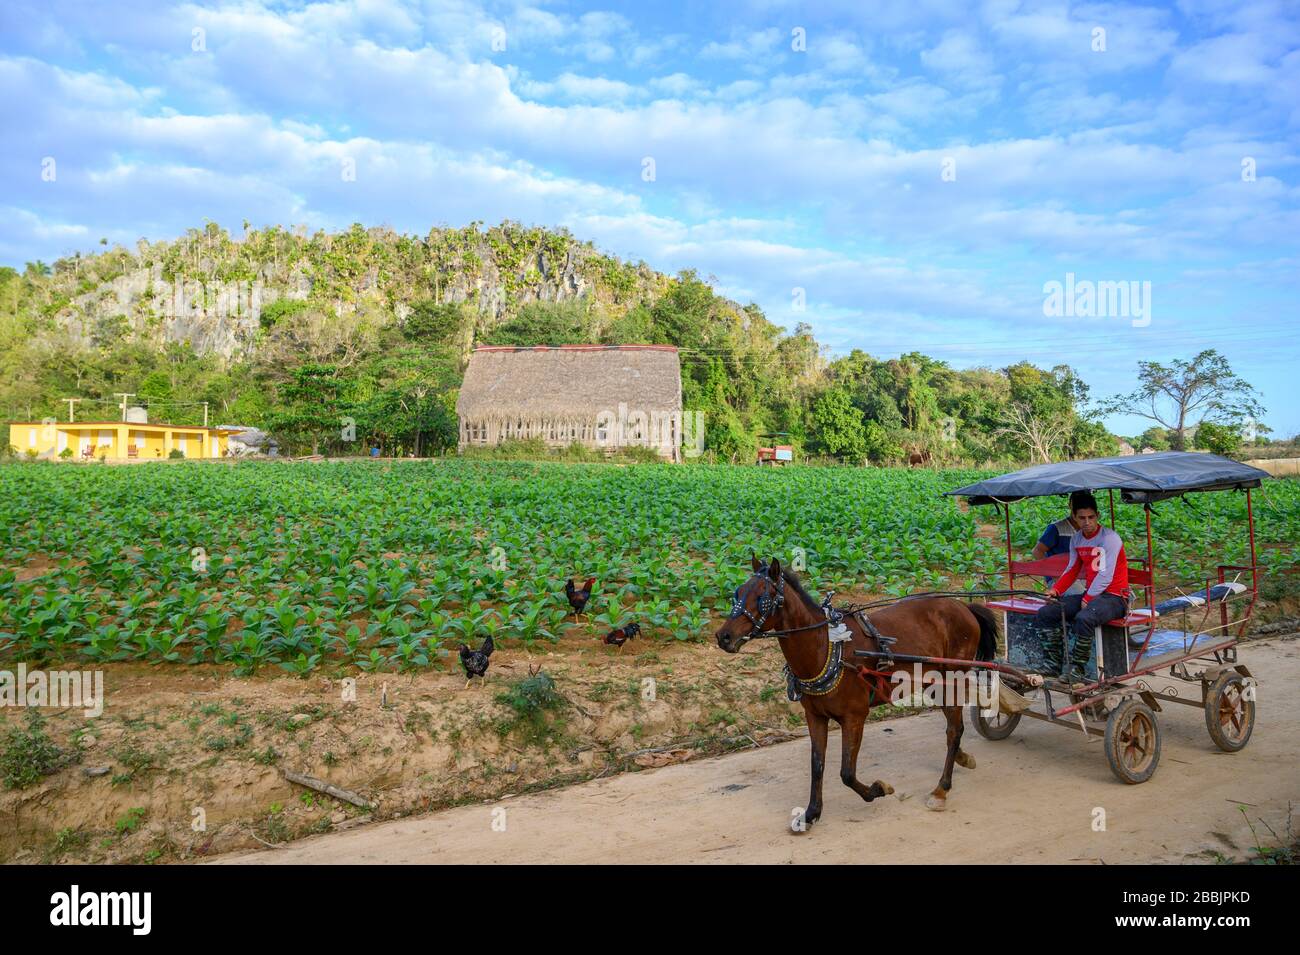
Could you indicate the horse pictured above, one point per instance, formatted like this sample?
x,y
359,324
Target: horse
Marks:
x,y
773,601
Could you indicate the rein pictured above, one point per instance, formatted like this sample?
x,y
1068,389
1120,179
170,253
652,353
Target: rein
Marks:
x,y
828,680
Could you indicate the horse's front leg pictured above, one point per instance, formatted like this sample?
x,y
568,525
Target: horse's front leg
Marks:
x,y
938,799
818,725
850,742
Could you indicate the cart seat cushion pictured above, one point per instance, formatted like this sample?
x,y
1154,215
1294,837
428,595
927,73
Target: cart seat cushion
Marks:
x,y
1169,641
1136,618
1029,605
1186,601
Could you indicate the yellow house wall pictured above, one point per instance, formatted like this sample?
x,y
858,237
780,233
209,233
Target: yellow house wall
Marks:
x,y
158,442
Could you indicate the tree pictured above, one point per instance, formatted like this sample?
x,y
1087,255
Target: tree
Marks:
x,y
542,323
1218,438
1041,435
1155,438
312,405
838,425
1171,394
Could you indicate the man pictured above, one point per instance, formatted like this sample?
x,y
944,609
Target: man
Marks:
x,y
1098,553
1056,540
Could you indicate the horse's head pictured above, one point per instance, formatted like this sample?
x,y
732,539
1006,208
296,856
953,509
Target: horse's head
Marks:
x,y
754,606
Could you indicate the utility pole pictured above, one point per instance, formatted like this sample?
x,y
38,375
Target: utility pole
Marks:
x,y
124,395
71,402
205,414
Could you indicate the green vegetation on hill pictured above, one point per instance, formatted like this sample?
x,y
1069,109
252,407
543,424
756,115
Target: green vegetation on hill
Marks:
x,y
293,332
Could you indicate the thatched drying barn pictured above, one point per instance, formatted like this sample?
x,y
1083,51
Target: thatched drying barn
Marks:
x,y
602,396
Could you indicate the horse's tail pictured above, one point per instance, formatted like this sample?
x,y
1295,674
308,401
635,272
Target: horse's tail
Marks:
x,y
988,622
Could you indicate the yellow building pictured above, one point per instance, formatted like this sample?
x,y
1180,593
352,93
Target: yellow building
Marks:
x,y
117,439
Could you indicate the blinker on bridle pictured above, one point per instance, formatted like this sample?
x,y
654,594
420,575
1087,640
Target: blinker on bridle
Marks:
x,y
768,604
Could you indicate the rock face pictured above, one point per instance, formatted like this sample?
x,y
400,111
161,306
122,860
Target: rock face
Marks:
x,y
176,293
250,441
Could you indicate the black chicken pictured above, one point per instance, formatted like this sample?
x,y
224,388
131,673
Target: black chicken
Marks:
x,y
578,598
475,662
616,638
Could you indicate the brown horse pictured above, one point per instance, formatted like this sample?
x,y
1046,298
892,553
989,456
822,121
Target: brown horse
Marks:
x,y
774,600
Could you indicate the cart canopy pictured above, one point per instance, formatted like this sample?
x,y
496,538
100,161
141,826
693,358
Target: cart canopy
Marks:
x,y
1140,478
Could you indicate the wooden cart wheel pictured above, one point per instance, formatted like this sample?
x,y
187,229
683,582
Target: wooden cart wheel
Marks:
x,y
1230,711
999,726
1133,742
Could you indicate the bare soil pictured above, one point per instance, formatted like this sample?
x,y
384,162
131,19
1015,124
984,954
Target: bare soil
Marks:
x,y
176,739
186,762
1044,795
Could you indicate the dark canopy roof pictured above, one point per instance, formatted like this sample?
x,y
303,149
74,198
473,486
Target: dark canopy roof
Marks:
x,y
1139,477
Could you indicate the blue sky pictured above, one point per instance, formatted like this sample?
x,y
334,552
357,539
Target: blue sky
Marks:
x,y
1112,156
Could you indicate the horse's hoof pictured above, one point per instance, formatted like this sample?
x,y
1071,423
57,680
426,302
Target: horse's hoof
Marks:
x,y
802,823
885,788
965,759
936,803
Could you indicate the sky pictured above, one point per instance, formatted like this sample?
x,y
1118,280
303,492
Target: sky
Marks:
x,y
901,175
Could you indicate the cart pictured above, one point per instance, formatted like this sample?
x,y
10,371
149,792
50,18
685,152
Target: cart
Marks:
x,y
775,455
1189,639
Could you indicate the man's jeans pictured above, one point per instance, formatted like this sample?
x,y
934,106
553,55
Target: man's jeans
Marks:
x,y
1083,620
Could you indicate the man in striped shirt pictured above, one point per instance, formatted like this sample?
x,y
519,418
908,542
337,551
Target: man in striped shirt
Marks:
x,y
1098,553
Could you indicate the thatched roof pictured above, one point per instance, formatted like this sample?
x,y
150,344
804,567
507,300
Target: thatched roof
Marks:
x,y
569,382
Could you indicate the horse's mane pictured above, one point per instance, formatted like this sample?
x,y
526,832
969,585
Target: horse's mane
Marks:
x,y
793,580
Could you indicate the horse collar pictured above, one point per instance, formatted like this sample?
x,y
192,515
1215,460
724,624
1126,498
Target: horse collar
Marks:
x,y
824,682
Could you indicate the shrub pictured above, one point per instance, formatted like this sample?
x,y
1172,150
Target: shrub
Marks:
x,y
30,754
531,700
65,453
176,454
281,308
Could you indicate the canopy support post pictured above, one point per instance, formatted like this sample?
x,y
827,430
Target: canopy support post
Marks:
x,y
1151,592
1011,578
1254,569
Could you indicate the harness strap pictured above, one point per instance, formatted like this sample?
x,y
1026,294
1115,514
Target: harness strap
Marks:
x,y
883,643
877,682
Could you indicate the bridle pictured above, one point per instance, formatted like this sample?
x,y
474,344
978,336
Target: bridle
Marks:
x,y
828,680
769,604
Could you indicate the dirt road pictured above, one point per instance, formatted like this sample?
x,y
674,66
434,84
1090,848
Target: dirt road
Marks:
x,y
1034,797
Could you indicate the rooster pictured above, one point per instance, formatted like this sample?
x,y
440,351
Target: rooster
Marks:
x,y
578,598
475,662
616,638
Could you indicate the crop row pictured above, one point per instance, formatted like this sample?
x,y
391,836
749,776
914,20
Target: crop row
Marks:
x,y
386,566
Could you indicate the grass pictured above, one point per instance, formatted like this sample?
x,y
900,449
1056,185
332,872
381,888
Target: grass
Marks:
x,y
29,754
131,822
535,710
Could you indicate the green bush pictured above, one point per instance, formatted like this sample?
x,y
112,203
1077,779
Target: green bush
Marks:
x,y
535,449
176,454
1218,438
531,700
65,453
281,308
638,454
29,754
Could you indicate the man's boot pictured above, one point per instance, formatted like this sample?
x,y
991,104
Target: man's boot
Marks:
x,y
1081,651
1053,654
